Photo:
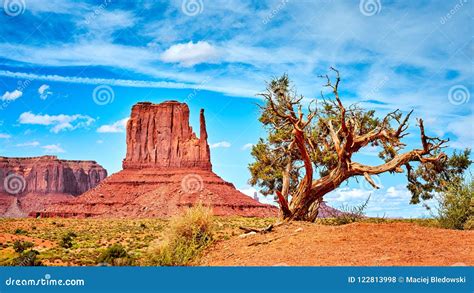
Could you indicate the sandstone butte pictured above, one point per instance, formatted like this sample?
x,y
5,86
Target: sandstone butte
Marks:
x,y
29,184
167,168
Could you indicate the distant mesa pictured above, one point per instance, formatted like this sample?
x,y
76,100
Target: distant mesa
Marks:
x,y
167,168
33,183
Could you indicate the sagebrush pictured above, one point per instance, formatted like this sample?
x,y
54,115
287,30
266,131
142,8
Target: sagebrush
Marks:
x,y
456,206
188,235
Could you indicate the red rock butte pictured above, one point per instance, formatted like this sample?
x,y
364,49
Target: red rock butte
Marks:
x,y
167,168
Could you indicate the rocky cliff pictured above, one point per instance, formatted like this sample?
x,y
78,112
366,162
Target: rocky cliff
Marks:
x,y
33,183
159,136
167,169
48,174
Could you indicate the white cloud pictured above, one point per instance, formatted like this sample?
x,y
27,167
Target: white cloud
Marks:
x,y
100,141
393,201
28,144
112,82
189,54
247,146
44,91
250,191
11,96
3,135
463,128
58,122
53,149
115,127
346,194
102,23
221,144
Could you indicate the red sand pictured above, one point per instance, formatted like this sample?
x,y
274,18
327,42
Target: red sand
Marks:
x,y
358,244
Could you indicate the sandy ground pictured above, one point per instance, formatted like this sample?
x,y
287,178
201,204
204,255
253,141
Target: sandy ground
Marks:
x,y
358,244
39,243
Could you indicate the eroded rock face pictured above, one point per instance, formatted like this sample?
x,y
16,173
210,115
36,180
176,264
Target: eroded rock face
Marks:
x,y
159,136
166,170
48,174
31,184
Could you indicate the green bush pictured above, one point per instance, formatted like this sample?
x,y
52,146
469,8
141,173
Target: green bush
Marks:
x,y
348,214
456,206
189,234
20,246
27,258
115,255
66,241
20,232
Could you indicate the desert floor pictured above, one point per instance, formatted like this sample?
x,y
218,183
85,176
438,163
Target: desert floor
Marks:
x,y
356,244
376,242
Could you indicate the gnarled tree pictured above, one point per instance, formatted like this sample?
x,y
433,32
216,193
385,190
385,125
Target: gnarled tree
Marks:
x,y
309,152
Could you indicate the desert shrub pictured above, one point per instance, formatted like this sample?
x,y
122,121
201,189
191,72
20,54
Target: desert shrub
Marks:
x,y
27,258
66,240
349,214
20,246
189,234
115,255
19,231
456,206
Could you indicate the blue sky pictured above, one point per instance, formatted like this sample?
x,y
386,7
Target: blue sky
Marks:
x,y
71,70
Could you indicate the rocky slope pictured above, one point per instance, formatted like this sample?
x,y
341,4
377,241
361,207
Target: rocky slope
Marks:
x,y
167,168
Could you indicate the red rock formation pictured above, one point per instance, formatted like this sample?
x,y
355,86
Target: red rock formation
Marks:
x,y
32,183
166,169
48,174
159,135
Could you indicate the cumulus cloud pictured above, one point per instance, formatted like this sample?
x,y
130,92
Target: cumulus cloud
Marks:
x,y
221,144
44,91
116,127
11,96
53,149
56,122
189,54
3,135
28,144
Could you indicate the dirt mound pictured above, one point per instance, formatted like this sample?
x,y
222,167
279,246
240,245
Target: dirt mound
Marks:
x,y
358,244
